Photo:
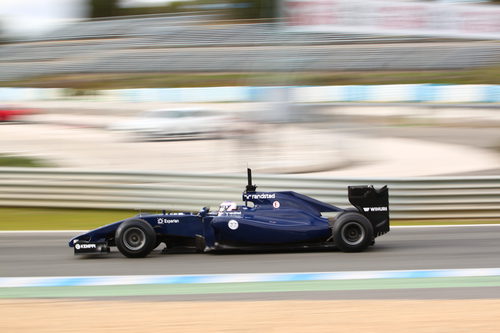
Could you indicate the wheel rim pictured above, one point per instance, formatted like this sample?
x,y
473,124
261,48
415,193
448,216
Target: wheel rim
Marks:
x,y
134,239
352,233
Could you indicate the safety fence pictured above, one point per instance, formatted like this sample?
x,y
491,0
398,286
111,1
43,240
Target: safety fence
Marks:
x,y
410,198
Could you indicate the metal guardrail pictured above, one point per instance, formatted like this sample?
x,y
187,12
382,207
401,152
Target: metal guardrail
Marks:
x,y
410,198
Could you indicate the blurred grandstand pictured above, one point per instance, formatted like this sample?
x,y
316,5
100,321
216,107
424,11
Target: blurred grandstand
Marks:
x,y
186,43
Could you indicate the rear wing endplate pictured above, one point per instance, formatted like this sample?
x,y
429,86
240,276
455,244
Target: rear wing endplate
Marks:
x,y
372,203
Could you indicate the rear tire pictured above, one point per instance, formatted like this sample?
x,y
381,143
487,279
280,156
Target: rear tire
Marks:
x,y
352,232
200,244
135,238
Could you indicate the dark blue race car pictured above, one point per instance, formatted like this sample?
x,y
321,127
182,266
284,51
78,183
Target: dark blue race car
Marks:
x,y
266,220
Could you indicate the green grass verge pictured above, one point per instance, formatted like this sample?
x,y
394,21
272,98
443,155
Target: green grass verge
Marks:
x,y
484,75
22,161
58,219
84,219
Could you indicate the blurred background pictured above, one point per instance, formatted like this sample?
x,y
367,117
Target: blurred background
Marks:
x,y
331,88
112,105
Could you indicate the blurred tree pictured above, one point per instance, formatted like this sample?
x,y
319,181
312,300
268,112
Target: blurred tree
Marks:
x,y
238,9
171,7
103,8
254,9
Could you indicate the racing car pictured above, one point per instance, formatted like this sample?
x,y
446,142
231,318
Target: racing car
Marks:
x,y
283,219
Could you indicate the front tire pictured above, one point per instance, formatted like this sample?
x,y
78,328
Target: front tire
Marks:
x,y
352,232
135,238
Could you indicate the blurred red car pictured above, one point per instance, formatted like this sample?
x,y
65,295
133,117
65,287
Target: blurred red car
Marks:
x,y
10,113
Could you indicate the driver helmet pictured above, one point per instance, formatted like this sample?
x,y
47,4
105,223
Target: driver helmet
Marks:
x,y
227,206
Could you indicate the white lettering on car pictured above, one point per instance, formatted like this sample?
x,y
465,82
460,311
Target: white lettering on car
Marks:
x,y
375,209
162,220
85,246
260,196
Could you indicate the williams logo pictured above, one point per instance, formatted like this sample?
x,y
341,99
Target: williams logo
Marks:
x,y
375,209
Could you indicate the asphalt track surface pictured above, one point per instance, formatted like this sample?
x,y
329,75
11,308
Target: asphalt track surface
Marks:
x,y
47,254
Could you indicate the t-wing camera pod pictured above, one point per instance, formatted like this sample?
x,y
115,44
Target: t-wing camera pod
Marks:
x,y
250,187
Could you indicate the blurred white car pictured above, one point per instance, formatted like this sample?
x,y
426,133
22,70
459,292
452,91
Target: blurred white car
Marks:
x,y
174,122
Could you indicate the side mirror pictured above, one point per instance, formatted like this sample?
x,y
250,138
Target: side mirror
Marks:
x,y
203,212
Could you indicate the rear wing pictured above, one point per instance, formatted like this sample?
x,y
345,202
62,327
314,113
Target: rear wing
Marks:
x,y
372,203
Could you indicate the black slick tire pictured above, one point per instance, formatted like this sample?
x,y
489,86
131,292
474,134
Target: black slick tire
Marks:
x,y
135,238
352,232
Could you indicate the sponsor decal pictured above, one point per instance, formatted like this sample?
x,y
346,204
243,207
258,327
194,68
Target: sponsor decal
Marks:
x,y
85,246
375,209
162,220
233,224
260,196
276,204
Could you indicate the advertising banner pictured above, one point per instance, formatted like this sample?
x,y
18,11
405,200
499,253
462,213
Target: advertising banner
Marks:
x,y
394,18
